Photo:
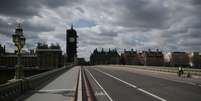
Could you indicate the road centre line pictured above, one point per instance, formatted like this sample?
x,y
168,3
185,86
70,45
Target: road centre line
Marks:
x,y
100,85
139,89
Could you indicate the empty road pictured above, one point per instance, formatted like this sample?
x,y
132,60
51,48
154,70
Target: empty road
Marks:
x,y
111,84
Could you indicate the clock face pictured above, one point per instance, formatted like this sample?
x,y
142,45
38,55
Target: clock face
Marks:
x,y
71,39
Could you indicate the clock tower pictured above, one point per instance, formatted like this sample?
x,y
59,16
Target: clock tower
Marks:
x,y
71,45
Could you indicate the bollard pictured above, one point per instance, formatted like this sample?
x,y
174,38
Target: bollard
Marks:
x,y
188,75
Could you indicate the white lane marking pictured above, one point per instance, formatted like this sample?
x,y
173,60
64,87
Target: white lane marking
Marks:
x,y
100,86
99,94
79,98
142,90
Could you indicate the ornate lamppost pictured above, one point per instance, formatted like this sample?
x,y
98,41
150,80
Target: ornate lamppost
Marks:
x,y
19,41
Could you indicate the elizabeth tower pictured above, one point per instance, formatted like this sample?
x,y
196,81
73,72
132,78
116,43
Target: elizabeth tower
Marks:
x,y
71,44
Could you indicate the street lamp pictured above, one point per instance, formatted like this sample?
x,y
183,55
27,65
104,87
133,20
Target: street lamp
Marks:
x,y
19,41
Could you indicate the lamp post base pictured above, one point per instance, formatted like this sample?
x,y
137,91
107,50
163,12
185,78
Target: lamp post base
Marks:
x,y
19,72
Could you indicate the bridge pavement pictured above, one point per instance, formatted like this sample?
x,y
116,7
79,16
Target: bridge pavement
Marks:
x,y
61,89
120,85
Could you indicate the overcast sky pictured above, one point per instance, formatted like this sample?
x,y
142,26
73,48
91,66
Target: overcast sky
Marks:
x,y
170,25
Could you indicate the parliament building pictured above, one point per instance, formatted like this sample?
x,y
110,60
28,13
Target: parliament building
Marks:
x,y
44,56
104,57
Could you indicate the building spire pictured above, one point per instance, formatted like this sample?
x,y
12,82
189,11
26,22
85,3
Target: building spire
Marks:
x,y
71,26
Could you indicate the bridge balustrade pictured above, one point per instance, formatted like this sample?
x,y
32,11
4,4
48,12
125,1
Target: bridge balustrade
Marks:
x,y
15,88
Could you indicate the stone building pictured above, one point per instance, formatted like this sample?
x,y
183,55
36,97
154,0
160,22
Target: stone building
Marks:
x,y
195,59
130,58
45,57
10,60
104,57
48,57
177,59
114,57
152,58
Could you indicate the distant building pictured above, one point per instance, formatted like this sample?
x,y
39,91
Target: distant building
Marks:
x,y
10,60
103,57
177,59
114,57
81,61
71,45
195,59
152,58
45,57
48,57
130,58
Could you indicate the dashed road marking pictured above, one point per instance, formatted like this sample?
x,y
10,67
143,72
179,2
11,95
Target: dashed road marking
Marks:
x,y
139,89
100,86
99,94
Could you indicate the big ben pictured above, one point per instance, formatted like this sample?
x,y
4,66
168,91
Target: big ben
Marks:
x,y
71,44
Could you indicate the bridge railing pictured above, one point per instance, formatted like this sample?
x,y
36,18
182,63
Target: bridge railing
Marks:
x,y
15,88
10,90
192,71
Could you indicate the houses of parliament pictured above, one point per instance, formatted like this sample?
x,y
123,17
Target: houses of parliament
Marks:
x,y
44,56
146,58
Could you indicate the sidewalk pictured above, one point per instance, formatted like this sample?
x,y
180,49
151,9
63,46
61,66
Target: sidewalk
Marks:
x,y
61,89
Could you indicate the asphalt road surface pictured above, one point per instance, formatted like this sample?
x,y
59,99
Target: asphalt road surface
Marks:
x,y
117,85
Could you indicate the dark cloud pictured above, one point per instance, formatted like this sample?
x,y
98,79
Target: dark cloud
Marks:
x,y
19,8
5,28
196,2
26,8
58,3
143,13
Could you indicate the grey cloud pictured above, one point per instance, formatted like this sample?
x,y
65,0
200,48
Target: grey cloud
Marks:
x,y
61,36
196,2
19,8
5,28
80,9
27,8
29,26
55,4
8,30
143,13
177,22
